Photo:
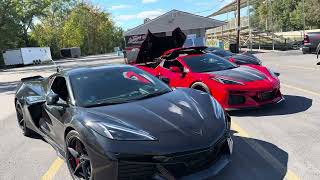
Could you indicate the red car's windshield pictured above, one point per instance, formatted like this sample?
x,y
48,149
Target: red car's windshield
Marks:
x,y
208,63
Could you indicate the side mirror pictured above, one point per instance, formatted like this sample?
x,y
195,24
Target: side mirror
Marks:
x,y
52,99
165,80
277,74
175,69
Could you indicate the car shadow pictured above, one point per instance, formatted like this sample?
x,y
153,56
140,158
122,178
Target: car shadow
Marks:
x,y
291,105
254,159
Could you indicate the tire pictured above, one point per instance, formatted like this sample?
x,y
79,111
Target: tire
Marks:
x,y
201,87
72,160
21,121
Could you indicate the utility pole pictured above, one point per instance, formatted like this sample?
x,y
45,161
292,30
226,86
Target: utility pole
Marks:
x,y
303,18
238,24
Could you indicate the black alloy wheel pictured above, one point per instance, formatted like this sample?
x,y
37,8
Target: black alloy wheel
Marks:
x,y
77,157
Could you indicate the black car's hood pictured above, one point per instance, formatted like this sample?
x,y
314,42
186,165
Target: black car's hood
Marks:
x,y
241,73
182,117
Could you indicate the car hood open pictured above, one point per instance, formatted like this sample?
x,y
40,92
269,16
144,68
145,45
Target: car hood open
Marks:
x,y
153,46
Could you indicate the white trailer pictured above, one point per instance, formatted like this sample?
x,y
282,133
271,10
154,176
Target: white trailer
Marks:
x,y
25,56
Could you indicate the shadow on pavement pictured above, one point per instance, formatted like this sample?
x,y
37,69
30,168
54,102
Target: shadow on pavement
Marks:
x,y
254,159
291,105
8,87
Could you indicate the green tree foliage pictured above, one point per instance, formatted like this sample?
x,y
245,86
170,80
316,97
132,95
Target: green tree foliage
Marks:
x,y
285,15
91,29
9,26
313,13
57,24
78,25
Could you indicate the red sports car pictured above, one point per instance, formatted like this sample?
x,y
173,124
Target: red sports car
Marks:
x,y
234,86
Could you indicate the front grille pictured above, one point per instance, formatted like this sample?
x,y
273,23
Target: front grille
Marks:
x,y
135,171
265,96
236,99
179,164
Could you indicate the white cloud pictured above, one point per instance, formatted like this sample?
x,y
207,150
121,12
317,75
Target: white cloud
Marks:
x,y
150,14
142,15
148,1
125,17
121,6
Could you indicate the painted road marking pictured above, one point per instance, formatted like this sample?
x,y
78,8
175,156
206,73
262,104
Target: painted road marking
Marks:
x,y
300,89
53,169
290,175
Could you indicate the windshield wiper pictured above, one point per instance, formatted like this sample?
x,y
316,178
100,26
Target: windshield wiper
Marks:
x,y
152,95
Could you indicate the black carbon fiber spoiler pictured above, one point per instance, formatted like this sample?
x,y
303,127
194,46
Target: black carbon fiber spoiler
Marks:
x,y
32,78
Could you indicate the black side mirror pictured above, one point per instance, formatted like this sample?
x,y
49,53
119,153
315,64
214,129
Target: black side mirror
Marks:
x,y
277,74
165,80
52,99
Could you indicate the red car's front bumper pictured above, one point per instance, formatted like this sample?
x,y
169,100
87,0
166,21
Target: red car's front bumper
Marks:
x,y
243,98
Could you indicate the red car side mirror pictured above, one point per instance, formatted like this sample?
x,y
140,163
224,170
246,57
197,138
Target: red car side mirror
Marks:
x,y
175,69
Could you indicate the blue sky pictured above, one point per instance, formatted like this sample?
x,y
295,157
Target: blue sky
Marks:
x,y
130,13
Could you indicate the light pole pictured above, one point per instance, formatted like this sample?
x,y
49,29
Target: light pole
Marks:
x,y
238,25
303,18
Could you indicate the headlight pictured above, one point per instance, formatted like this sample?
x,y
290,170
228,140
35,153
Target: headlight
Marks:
x,y
219,112
223,80
119,133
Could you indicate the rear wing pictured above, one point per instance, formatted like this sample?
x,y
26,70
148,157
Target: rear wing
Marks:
x,y
174,53
32,78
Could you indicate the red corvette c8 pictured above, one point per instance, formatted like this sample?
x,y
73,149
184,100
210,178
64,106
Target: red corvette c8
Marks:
x,y
234,86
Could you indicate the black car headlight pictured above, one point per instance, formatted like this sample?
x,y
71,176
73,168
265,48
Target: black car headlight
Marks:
x,y
117,132
219,113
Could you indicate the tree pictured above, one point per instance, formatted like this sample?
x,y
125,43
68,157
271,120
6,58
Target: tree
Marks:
x,y
27,11
312,9
91,29
9,27
50,31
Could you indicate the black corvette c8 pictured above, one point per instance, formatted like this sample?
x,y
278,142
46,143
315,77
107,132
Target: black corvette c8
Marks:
x,y
119,122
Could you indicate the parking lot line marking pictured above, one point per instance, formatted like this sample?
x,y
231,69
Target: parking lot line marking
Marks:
x,y
300,89
290,175
55,166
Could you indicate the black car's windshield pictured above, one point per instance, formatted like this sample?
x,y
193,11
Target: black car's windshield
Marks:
x,y
115,85
208,63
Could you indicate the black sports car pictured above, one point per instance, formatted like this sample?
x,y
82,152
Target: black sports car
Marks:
x,y
118,122
240,59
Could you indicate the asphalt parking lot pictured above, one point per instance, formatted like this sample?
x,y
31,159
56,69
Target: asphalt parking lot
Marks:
x,y
277,142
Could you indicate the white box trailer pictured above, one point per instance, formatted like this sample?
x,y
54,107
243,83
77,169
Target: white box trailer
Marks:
x,y
26,56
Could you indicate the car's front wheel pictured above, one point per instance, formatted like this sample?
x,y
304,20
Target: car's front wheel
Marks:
x,y
201,87
77,158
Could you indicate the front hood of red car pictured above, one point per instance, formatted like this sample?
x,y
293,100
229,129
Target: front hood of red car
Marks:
x,y
241,73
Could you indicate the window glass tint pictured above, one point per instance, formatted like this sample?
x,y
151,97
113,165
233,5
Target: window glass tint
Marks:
x,y
169,63
115,85
208,63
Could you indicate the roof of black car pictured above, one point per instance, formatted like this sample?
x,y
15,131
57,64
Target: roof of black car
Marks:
x,y
75,71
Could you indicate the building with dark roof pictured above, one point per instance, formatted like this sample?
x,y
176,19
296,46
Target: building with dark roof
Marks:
x,y
191,24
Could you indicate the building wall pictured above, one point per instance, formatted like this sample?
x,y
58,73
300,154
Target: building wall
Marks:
x,y
199,32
